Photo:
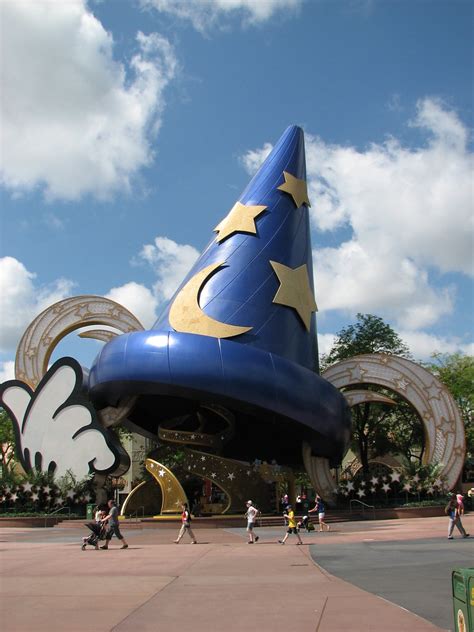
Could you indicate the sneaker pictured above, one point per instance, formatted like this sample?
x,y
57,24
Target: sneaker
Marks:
x,y
124,546
450,537
298,543
194,542
466,535
257,538
250,542
281,541
83,547
104,548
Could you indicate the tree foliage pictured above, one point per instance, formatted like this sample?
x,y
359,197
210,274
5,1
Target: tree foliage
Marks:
x,y
378,428
456,371
370,334
7,441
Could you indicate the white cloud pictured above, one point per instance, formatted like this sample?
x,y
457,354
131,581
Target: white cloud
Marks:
x,y
138,299
7,371
325,343
207,13
409,210
170,261
74,120
423,345
21,300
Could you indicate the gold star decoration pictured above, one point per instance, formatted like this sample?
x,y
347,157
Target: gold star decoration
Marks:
x,y
241,219
295,291
296,188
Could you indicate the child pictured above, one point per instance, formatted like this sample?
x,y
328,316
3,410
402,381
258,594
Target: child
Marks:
x,y
185,525
290,516
251,515
320,509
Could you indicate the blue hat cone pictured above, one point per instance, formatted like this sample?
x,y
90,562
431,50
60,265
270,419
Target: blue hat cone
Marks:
x,y
240,330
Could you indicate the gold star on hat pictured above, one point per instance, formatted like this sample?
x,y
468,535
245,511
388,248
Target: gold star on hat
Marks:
x,y
296,188
295,291
241,219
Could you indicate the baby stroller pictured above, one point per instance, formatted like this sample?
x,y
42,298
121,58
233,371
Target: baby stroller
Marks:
x,y
98,533
305,523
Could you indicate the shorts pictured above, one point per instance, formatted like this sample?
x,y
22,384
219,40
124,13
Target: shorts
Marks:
x,y
321,516
113,530
250,526
292,530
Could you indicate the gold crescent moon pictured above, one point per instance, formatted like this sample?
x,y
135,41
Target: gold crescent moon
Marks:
x,y
187,316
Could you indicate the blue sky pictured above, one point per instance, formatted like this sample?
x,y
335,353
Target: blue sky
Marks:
x,y
129,129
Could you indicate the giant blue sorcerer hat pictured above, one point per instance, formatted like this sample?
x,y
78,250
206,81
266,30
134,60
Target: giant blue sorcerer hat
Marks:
x,y
240,331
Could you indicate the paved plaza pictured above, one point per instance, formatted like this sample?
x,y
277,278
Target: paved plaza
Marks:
x,y
352,578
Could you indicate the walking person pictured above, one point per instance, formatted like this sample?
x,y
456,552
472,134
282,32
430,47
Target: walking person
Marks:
x,y
320,509
186,525
251,515
113,526
453,511
290,516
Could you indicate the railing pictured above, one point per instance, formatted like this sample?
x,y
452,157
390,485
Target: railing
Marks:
x,y
364,505
135,513
68,509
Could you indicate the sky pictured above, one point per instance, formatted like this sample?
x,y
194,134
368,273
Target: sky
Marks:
x,y
130,128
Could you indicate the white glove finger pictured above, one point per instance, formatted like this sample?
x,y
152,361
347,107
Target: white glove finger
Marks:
x,y
54,393
16,399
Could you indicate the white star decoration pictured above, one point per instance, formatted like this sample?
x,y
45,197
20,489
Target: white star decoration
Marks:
x,y
47,489
373,490
27,487
402,384
362,483
70,494
416,478
213,475
407,487
360,493
231,476
350,486
203,458
386,487
374,480
438,483
34,497
162,472
395,476
13,497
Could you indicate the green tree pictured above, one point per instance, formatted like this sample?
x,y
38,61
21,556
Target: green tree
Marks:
x,y
456,371
370,334
376,429
7,442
